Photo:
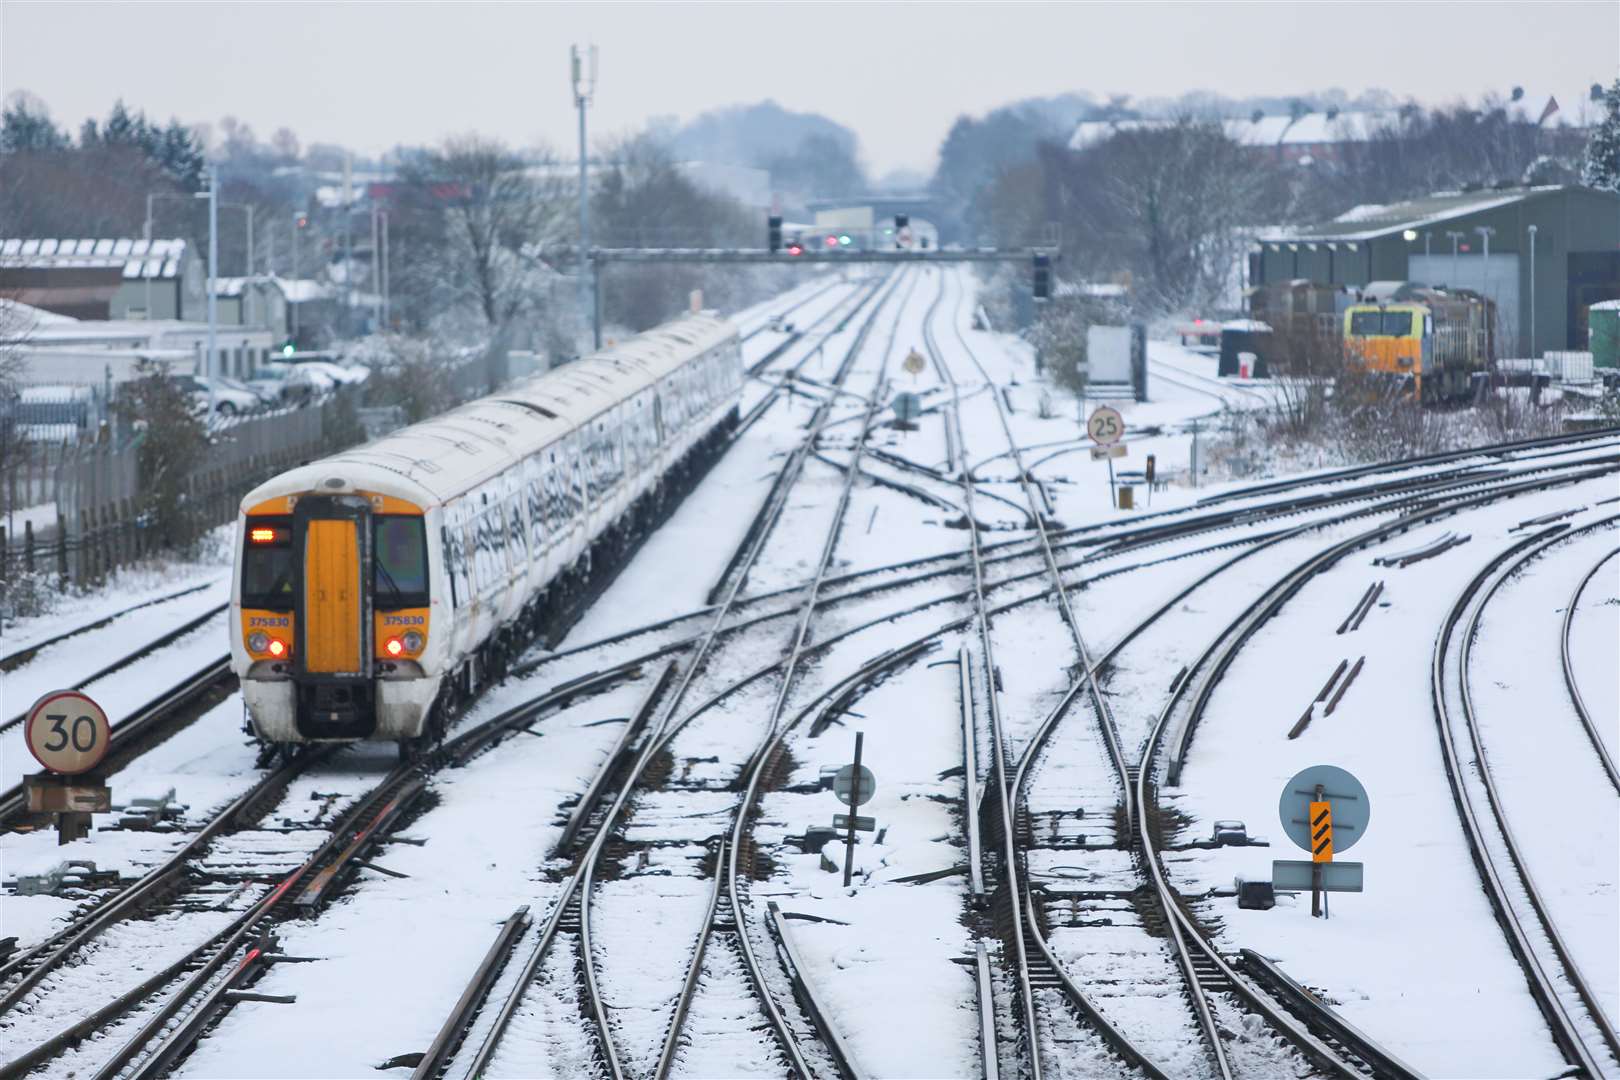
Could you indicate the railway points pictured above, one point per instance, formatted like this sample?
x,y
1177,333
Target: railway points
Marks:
x,y
654,904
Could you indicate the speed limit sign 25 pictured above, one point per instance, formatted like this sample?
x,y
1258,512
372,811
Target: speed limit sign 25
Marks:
x,y
1105,426
67,732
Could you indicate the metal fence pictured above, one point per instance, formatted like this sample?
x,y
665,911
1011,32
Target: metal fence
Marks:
x,y
100,520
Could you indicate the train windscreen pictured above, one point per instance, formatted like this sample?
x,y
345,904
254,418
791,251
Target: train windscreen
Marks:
x,y
1366,323
267,564
399,554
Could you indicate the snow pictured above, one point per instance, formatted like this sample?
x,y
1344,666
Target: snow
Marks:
x,y
1417,961
1421,883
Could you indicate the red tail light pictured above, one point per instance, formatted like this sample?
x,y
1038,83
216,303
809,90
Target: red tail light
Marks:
x,y
394,647
277,647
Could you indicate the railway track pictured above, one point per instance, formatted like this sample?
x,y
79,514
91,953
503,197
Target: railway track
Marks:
x,y
1599,745
1032,571
1581,1029
604,811
146,649
147,726
18,657
153,1024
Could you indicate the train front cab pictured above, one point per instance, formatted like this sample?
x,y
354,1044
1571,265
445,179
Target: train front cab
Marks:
x,y
1389,342
335,613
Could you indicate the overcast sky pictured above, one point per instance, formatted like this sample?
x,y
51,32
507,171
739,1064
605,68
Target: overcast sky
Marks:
x,y
375,75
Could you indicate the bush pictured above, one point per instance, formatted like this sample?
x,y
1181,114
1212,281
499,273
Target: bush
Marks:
x,y
172,442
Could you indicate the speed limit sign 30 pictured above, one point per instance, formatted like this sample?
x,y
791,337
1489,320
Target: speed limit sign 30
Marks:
x,y
67,732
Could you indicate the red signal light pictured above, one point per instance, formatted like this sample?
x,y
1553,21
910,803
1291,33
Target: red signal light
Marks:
x,y
832,241
795,249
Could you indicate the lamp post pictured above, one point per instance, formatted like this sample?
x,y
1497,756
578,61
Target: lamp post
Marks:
x,y
1455,235
298,222
386,314
213,270
1532,292
584,87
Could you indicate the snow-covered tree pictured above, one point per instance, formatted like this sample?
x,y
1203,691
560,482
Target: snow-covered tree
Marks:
x,y
1601,168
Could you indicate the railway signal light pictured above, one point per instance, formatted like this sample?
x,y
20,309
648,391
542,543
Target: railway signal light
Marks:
x,y
1043,277
773,226
795,249
832,241
843,240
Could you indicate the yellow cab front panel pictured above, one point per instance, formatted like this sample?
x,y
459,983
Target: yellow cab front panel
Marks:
x,y
332,597
332,662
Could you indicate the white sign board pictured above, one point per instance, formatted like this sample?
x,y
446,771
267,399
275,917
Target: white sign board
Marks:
x,y
1108,353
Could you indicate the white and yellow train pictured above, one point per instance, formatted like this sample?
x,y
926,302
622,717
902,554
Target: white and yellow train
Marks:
x,y
376,588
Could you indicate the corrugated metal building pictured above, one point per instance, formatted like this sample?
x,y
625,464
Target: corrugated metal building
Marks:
x,y
105,278
1443,239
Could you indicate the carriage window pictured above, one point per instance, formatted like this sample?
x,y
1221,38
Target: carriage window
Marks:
x,y
267,564
537,512
517,546
455,558
399,561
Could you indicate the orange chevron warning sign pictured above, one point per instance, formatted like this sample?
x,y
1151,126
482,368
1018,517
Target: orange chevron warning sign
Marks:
x,y
1321,832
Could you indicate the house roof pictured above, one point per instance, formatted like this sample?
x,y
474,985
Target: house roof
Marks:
x,y
1369,221
135,258
1311,129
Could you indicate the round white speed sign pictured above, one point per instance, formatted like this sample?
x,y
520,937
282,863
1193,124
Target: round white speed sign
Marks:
x,y
1105,426
67,732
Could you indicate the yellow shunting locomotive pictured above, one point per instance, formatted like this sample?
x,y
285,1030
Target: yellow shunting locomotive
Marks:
x,y
376,588
1436,339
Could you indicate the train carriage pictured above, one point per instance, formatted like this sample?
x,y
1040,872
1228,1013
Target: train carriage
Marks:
x,y
375,588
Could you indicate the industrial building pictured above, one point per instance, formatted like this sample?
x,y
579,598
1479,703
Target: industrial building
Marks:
x,y
1481,240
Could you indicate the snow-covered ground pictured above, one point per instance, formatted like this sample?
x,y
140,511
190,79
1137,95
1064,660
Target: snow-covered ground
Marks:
x,y
1417,961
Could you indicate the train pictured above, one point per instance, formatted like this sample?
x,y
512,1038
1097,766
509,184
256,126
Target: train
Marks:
x,y
1429,340
376,590
1436,338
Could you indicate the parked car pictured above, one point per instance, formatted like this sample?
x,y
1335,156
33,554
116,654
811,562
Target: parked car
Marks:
x,y
229,396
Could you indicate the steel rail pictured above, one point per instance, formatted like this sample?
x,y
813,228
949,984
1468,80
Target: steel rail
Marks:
x,y
1010,789
1213,661
1570,681
1098,535
147,649
212,954
1011,878
35,963
1477,596
22,655
1355,472
129,732
660,731
775,313
795,653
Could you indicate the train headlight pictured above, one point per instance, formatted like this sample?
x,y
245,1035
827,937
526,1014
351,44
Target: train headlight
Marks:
x,y
413,641
258,641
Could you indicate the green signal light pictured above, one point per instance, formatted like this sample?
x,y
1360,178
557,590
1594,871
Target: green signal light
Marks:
x,y
843,240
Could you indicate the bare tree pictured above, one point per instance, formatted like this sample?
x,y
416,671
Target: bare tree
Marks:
x,y
465,213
